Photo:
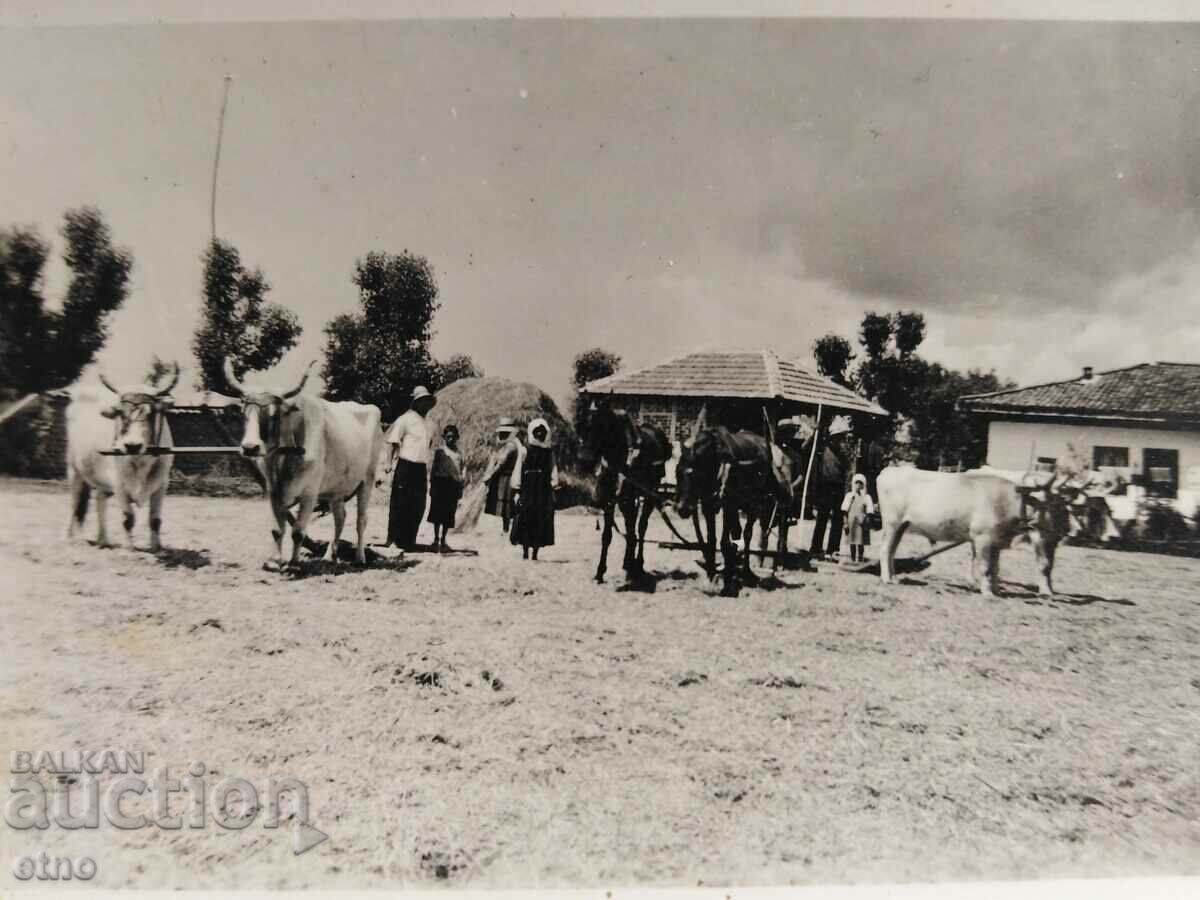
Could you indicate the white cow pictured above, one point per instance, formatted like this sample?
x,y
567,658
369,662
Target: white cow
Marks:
x,y
989,510
311,450
135,425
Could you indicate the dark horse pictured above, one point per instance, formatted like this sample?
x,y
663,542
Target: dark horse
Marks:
x,y
734,473
632,459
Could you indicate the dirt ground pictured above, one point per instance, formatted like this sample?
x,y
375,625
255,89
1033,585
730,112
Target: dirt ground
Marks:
x,y
479,721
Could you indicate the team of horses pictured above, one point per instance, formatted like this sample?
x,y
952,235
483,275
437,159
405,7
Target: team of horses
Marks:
x,y
741,475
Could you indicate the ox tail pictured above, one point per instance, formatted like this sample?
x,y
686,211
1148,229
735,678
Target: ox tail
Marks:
x,y
82,496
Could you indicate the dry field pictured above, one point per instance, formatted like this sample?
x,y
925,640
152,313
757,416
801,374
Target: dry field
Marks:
x,y
479,721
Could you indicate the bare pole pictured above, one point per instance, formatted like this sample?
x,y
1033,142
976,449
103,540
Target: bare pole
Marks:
x,y
808,473
212,211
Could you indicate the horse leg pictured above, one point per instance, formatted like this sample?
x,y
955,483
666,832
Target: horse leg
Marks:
x,y
782,542
643,525
729,553
710,542
629,515
747,575
605,540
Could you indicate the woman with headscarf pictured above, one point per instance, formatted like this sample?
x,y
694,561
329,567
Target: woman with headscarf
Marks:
x,y
535,481
499,474
409,456
445,486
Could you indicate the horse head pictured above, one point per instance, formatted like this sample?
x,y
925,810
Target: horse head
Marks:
x,y
697,473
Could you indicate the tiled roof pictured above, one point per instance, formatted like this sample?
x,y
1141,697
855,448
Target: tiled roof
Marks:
x,y
758,374
1151,392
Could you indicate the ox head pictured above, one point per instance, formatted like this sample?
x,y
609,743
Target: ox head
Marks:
x,y
1046,505
264,412
138,413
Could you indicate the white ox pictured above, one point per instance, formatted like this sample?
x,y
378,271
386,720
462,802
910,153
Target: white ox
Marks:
x,y
989,510
311,450
134,426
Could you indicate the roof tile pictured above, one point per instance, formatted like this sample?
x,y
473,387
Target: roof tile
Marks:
x,y
1149,390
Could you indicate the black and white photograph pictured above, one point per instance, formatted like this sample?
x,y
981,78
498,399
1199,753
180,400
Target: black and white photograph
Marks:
x,y
539,448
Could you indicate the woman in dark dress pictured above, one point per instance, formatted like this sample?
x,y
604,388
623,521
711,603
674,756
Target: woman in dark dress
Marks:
x,y
445,487
535,482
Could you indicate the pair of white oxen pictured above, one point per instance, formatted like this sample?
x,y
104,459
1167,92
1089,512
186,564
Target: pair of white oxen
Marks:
x,y
309,450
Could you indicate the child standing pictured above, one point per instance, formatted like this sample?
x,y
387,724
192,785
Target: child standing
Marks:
x,y
536,479
857,506
445,487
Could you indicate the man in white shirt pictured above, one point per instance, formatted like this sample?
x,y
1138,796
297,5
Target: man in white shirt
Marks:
x,y
409,457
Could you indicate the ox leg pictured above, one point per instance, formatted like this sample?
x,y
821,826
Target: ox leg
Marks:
x,y
989,553
128,518
338,508
1043,552
102,518
281,519
300,529
890,541
80,493
605,541
156,505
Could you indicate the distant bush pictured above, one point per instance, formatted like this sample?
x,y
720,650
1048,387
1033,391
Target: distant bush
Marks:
x,y
1159,520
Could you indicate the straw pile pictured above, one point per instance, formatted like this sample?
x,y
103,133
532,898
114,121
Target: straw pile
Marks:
x,y
475,405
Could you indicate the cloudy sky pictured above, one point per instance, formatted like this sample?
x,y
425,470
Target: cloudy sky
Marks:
x,y
648,186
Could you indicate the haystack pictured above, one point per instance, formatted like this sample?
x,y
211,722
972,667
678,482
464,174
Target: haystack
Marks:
x,y
475,405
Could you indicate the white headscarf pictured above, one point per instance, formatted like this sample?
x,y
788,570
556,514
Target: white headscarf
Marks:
x,y
533,426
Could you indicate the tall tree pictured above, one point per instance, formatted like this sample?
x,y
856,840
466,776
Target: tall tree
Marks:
x,y
43,349
833,355
236,320
379,354
456,368
589,366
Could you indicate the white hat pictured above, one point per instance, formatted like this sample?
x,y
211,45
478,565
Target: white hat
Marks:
x,y
839,425
420,392
859,477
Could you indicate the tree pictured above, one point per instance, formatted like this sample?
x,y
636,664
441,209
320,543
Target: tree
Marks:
x,y
157,370
591,365
236,321
942,434
833,356
42,349
379,354
455,369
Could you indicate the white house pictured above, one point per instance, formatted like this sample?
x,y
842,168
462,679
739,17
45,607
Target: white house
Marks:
x,y
1140,423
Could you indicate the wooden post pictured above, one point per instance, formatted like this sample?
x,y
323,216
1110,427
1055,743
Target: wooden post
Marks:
x,y
808,474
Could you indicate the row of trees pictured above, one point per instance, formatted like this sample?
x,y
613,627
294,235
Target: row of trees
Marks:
x,y
379,353
890,371
375,355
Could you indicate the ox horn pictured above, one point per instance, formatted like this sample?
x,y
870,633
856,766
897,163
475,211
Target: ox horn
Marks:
x,y
238,387
298,388
170,386
108,384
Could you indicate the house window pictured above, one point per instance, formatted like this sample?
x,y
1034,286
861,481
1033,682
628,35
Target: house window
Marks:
x,y
1045,464
1160,470
1110,457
